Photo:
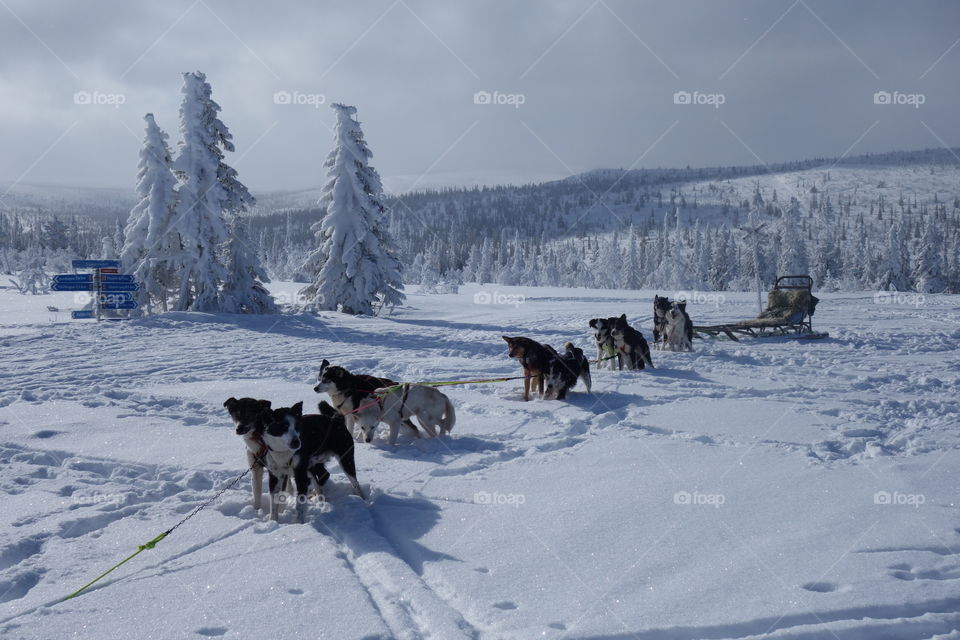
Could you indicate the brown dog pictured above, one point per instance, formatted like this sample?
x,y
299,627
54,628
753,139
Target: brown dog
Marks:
x,y
534,358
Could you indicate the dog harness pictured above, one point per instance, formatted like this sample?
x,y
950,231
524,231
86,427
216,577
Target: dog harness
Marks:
x,y
403,400
260,456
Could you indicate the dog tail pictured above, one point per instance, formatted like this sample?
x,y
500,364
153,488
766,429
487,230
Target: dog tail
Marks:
x,y
449,416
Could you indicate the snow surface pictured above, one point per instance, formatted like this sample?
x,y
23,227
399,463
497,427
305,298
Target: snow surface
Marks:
x,y
767,489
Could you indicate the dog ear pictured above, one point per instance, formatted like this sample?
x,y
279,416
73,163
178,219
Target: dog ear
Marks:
x,y
229,403
623,317
682,305
298,408
506,339
324,365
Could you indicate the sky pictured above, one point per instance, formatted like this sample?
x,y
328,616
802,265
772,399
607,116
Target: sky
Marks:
x,y
460,92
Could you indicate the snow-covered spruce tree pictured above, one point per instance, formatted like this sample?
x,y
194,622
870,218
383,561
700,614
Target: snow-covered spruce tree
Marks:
x,y
210,193
608,264
630,270
243,290
472,265
485,270
430,271
793,250
825,262
152,248
927,264
356,265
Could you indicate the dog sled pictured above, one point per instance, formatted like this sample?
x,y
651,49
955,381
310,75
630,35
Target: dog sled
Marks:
x,y
790,308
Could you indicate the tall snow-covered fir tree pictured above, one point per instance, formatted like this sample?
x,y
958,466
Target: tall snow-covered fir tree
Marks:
x,y
793,251
210,193
152,250
243,291
927,264
356,265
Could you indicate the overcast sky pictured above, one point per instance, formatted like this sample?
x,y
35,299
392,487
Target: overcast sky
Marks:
x,y
581,84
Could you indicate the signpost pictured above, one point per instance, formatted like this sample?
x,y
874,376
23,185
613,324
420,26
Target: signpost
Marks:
x,y
111,290
107,285
71,286
128,304
96,264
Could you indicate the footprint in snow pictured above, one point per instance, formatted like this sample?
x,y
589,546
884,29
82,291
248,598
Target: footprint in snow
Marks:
x,y
212,632
505,605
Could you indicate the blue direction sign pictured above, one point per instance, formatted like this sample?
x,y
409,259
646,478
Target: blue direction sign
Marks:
x,y
73,277
112,287
116,277
96,264
128,304
71,286
85,314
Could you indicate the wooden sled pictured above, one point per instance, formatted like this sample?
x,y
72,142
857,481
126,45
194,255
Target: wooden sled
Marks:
x,y
790,308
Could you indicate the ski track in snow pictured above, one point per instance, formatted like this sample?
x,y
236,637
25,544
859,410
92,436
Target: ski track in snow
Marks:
x,y
880,389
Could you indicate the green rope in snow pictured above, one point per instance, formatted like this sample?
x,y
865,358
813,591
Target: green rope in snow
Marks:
x,y
389,390
152,543
141,548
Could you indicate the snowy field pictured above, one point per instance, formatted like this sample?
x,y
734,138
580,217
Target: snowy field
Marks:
x,y
767,489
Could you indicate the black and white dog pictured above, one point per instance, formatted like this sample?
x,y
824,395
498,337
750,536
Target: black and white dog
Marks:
x,y
307,442
563,371
248,416
348,392
605,347
679,329
353,396
661,308
631,343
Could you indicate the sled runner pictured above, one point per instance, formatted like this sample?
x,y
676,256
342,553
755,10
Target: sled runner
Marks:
x,y
789,312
